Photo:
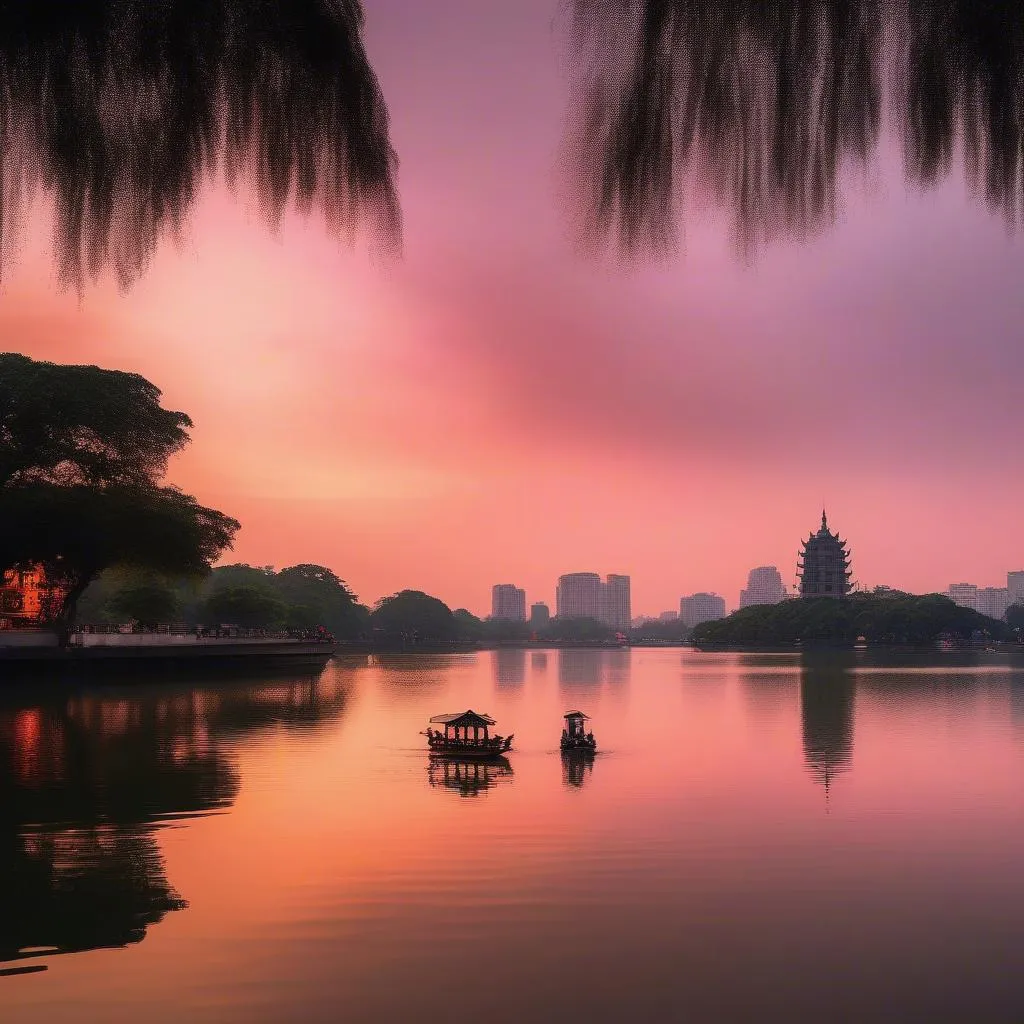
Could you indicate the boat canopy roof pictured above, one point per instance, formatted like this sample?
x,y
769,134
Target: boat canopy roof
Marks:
x,y
463,718
577,714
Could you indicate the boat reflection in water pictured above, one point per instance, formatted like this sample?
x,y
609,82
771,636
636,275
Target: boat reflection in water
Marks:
x,y
576,767
467,776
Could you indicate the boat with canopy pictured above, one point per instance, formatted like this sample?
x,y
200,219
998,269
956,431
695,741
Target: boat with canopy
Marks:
x,y
467,734
575,737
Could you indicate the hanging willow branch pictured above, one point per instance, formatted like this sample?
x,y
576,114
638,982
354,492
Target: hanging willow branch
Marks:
x,y
760,104
118,109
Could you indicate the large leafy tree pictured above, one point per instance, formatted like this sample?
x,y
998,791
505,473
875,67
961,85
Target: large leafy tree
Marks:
x,y
77,532
82,452
65,424
148,602
244,606
317,597
411,616
1015,616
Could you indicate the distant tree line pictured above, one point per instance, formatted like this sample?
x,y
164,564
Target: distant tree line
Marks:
x,y
906,619
305,597
671,631
298,597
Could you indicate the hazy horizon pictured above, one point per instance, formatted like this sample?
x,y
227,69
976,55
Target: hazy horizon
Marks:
x,y
497,407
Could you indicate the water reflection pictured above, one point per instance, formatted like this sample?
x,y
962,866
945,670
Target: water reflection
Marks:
x,y
1017,703
467,777
538,662
508,666
581,668
87,778
412,675
80,889
619,664
577,766
771,692
826,712
765,103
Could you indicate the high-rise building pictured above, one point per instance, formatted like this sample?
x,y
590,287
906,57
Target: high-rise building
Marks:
x,y
698,608
993,601
824,566
764,586
578,596
963,594
1015,585
508,602
615,610
540,615
668,617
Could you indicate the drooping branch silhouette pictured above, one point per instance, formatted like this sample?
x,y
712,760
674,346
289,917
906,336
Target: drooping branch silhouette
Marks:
x,y
964,84
118,109
760,105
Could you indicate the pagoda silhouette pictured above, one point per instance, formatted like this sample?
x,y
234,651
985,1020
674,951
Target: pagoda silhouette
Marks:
x,y
824,566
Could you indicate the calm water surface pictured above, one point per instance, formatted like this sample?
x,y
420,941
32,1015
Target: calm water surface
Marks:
x,y
761,837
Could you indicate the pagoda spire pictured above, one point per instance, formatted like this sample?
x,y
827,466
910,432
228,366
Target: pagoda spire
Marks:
x,y
824,521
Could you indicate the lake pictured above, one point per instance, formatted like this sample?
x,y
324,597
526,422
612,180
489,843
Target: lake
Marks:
x,y
761,837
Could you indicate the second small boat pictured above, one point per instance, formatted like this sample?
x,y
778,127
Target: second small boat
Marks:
x,y
575,738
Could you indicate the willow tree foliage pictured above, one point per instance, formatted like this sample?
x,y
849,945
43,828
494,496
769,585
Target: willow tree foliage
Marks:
x,y
762,107
118,110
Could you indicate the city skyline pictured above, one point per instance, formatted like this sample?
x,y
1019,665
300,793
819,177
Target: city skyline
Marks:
x,y
763,582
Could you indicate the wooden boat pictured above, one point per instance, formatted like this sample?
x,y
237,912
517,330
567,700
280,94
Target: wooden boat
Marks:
x,y
466,734
575,738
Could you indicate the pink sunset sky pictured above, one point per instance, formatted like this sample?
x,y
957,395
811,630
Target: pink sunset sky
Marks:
x,y
495,407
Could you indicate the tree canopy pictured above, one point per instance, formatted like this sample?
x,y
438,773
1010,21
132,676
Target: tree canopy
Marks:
x,y
148,602
82,454
411,615
77,532
298,597
317,597
1015,616
67,425
879,619
244,606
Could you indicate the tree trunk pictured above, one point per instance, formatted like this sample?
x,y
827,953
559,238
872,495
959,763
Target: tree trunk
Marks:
x,y
64,620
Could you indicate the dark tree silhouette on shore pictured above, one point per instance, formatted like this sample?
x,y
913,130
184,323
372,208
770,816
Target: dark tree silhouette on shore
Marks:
x,y
82,425
82,451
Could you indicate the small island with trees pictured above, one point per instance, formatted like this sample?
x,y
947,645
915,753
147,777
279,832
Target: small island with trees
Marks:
x,y
886,618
